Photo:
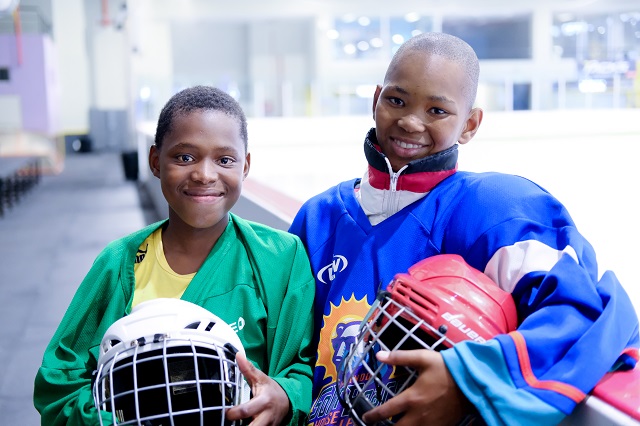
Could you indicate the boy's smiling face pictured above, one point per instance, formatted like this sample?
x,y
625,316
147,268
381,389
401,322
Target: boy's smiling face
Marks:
x,y
422,108
201,166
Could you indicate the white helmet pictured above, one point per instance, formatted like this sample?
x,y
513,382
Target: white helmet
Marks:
x,y
170,362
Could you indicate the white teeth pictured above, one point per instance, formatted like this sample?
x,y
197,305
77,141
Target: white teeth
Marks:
x,y
407,145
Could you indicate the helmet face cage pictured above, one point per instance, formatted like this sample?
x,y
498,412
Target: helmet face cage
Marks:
x,y
441,301
363,382
179,378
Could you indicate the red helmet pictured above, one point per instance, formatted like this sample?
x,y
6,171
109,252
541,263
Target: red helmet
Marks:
x,y
440,301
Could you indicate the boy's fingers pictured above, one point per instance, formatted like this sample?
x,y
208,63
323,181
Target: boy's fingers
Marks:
x,y
418,359
251,374
269,403
239,412
390,408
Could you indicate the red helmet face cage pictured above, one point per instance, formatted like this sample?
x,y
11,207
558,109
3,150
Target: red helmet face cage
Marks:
x,y
440,302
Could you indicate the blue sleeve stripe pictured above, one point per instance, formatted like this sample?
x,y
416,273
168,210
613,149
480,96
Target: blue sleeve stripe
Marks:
x,y
481,374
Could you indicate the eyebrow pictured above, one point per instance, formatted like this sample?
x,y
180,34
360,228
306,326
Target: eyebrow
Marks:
x,y
182,146
399,89
436,98
187,145
441,99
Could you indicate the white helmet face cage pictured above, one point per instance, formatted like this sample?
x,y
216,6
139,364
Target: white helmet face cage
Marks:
x,y
363,381
169,362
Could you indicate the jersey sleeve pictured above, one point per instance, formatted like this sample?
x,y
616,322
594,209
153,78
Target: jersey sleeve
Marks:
x,y
573,322
62,388
292,354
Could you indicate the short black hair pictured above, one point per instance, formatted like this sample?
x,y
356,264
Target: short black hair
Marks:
x,y
449,47
198,98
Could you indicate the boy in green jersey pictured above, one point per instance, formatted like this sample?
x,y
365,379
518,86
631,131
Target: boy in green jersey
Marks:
x,y
255,278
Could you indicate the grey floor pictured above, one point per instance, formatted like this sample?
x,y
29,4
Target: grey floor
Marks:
x,y
47,244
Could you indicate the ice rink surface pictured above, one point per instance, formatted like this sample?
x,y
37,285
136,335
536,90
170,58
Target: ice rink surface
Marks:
x,y
588,159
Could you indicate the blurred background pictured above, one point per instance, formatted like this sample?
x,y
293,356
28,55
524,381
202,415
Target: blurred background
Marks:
x,y
101,67
82,83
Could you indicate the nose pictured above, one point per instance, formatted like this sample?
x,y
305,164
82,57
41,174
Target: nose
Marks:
x,y
411,123
204,172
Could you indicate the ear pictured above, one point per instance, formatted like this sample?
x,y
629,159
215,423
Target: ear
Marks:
x,y
247,166
154,161
471,126
376,95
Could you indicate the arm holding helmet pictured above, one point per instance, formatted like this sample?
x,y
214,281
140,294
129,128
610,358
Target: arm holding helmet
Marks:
x,y
434,395
573,326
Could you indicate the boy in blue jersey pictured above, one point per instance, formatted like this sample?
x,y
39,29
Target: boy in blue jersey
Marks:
x,y
413,203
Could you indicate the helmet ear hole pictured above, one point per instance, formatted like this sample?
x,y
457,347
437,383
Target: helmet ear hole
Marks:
x,y
232,349
193,326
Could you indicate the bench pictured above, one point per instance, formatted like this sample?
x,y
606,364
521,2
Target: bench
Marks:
x,y
17,176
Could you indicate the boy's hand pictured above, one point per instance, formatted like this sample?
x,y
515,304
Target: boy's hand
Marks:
x,y
269,404
433,399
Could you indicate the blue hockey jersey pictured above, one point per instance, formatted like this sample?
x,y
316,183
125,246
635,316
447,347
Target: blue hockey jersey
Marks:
x,y
573,324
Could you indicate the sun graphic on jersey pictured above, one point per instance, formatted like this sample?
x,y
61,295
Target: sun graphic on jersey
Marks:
x,y
344,322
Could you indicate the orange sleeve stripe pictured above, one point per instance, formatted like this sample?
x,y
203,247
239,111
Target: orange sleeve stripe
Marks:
x,y
569,391
633,353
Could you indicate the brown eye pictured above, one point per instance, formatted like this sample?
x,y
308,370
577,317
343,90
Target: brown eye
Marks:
x,y
227,161
185,158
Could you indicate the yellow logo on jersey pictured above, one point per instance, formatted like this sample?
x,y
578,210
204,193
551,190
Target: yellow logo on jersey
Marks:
x,y
340,329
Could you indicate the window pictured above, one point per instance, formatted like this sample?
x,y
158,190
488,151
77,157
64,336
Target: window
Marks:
x,y
494,37
601,37
357,37
375,37
403,28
